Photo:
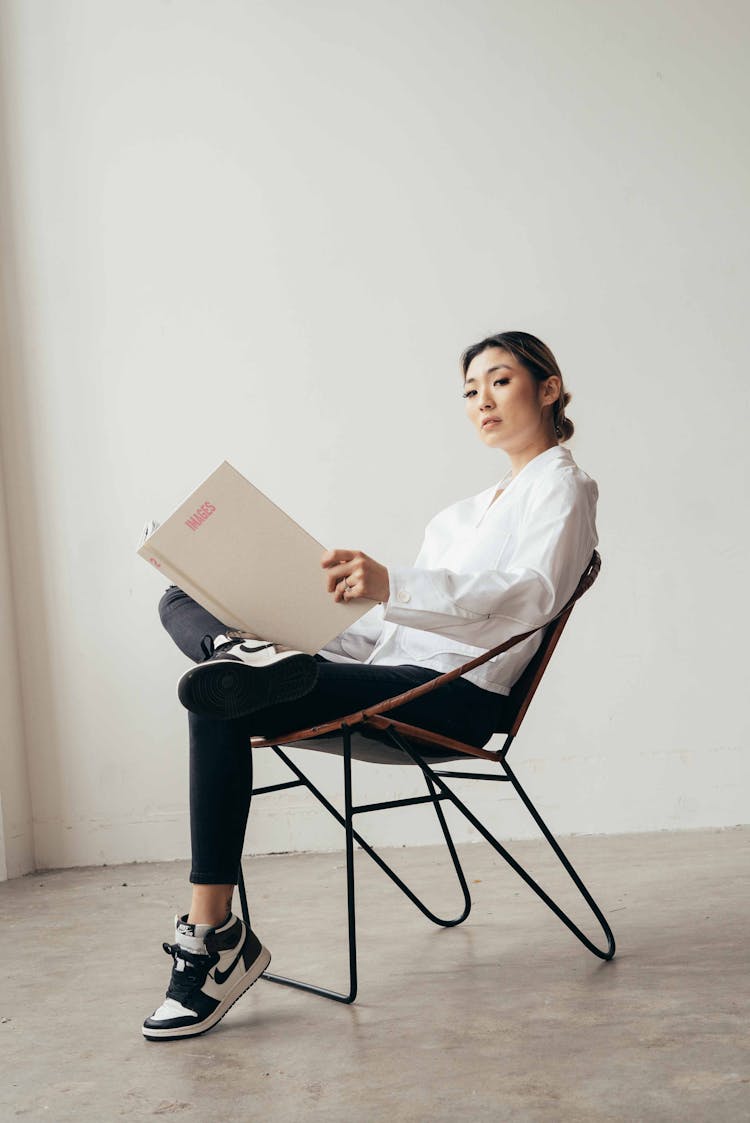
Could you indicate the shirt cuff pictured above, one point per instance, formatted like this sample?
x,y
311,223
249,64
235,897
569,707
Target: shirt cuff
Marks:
x,y
414,597
399,593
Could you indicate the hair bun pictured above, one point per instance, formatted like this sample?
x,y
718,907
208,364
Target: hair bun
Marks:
x,y
564,427
567,429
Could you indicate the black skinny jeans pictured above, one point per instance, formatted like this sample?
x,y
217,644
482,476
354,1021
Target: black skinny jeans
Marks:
x,y
221,771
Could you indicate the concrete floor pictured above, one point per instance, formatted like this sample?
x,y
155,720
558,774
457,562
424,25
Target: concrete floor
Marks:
x,y
505,1018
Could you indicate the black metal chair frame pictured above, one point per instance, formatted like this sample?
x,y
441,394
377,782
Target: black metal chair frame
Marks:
x,y
379,729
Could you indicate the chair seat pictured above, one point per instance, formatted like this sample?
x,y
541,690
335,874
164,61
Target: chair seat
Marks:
x,y
370,742
366,749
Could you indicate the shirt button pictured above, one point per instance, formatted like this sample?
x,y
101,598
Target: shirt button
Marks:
x,y
403,596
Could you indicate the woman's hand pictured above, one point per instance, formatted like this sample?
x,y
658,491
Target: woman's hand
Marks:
x,y
352,574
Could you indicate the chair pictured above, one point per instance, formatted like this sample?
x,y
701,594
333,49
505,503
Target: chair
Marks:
x,y
373,736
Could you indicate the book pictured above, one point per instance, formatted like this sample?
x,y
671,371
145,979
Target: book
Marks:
x,y
241,557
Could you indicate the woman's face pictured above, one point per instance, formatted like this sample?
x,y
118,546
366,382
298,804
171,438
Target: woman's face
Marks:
x,y
506,402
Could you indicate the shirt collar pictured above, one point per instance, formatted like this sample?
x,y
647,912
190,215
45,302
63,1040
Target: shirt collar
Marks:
x,y
540,462
527,474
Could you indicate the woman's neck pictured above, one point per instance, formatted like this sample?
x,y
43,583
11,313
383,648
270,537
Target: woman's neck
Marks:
x,y
519,459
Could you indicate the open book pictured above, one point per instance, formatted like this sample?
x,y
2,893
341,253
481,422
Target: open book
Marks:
x,y
249,564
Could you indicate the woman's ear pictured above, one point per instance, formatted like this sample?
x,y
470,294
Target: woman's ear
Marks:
x,y
551,389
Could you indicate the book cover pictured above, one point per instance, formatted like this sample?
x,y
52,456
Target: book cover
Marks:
x,y
249,564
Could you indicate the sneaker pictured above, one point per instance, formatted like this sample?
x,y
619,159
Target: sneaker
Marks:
x,y
241,675
212,968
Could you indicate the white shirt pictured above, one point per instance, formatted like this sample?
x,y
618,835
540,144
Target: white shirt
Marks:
x,y
485,572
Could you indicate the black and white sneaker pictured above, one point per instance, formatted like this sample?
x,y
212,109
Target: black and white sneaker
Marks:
x,y
212,968
241,675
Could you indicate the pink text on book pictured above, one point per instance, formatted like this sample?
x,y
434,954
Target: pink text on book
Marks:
x,y
204,511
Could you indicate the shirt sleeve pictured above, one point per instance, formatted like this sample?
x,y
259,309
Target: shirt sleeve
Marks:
x,y
556,537
356,642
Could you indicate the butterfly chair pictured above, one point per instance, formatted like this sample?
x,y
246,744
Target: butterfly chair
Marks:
x,y
371,735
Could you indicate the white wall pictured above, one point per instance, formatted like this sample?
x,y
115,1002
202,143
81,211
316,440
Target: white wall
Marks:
x,y
264,231
16,823
16,828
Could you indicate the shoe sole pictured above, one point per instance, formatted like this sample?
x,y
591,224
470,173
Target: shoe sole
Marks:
x,y
242,985
229,689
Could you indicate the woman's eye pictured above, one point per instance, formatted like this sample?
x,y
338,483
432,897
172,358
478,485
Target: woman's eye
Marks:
x,y
468,393
502,381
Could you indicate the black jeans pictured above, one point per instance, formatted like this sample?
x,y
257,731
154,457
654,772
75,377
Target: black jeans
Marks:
x,y
220,755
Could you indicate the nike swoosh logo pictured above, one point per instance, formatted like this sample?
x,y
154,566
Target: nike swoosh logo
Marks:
x,y
221,977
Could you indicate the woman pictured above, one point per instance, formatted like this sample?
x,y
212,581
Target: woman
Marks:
x,y
494,565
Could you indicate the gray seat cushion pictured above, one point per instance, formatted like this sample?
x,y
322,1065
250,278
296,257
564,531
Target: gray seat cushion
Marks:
x,y
371,749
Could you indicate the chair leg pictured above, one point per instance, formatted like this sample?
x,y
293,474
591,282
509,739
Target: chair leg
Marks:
x,y
347,820
443,787
454,858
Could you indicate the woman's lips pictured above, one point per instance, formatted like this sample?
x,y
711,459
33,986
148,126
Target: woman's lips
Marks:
x,y
493,421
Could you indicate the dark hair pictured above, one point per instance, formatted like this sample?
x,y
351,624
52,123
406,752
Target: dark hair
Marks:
x,y
538,360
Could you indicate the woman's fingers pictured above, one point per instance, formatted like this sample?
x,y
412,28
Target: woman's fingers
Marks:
x,y
345,590
336,576
352,573
347,586
342,564
335,557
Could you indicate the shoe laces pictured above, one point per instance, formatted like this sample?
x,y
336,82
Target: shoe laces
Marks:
x,y
209,648
193,972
